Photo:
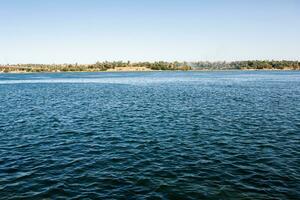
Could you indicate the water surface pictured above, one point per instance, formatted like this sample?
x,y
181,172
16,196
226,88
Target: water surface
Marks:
x,y
150,135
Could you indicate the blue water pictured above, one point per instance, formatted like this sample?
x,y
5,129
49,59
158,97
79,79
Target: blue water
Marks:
x,y
152,135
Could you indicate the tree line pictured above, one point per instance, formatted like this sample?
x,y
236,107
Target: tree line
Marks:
x,y
160,65
250,64
98,66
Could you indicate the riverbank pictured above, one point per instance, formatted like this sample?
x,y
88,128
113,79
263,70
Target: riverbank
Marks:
x,y
151,66
83,71
146,70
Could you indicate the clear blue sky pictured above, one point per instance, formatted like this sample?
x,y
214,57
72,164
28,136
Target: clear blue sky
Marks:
x,y
84,31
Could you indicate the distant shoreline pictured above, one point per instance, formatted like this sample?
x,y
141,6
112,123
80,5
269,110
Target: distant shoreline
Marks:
x,y
120,66
138,71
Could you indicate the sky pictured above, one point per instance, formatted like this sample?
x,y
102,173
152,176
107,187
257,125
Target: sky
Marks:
x,y
86,31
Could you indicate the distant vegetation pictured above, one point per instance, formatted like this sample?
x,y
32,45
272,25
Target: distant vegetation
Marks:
x,y
247,65
98,66
142,66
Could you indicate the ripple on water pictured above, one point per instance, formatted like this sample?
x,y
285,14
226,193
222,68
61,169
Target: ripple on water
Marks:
x,y
193,135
